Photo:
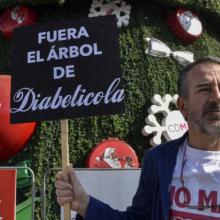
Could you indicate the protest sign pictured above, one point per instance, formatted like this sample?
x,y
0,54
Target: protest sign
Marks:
x,y
66,69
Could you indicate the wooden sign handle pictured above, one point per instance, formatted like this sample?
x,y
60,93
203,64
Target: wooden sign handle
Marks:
x,y
65,159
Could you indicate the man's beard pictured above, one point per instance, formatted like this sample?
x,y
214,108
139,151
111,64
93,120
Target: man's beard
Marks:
x,y
203,121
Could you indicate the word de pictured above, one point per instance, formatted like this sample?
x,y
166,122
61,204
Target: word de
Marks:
x,y
60,72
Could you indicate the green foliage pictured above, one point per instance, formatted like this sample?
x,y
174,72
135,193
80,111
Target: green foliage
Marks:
x,y
212,6
11,3
143,75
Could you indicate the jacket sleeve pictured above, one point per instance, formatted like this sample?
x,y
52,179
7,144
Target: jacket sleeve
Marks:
x,y
141,203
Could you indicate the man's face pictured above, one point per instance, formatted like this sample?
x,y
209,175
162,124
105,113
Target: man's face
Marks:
x,y
201,107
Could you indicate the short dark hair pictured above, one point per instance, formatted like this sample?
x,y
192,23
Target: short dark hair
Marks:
x,y
182,80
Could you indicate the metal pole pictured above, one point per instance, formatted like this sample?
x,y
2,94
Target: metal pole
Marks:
x,y
44,202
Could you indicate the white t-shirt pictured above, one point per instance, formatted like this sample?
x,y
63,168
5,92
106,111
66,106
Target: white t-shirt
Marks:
x,y
201,174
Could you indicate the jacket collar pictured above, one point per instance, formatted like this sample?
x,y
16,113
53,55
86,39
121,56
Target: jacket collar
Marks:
x,y
166,167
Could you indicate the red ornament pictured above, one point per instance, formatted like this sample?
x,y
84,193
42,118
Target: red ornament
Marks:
x,y
16,17
113,153
185,25
13,137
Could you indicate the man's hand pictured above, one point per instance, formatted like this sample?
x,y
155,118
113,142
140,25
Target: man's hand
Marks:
x,y
70,190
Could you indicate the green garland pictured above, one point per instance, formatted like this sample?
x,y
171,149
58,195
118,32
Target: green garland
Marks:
x,y
212,6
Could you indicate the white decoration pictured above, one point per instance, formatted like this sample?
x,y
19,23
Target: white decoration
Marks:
x,y
190,23
158,49
173,124
16,15
118,8
99,8
183,57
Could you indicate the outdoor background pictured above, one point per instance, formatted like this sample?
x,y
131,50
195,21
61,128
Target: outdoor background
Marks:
x,y
143,75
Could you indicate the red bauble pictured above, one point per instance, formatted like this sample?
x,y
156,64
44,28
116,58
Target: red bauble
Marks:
x,y
16,17
13,137
185,25
113,153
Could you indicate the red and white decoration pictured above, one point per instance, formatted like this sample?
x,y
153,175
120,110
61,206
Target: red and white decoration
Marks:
x,y
185,24
16,17
173,124
116,7
13,137
113,153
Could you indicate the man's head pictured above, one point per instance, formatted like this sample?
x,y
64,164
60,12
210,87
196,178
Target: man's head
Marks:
x,y
199,95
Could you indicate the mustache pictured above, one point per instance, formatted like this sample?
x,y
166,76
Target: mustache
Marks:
x,y
211,107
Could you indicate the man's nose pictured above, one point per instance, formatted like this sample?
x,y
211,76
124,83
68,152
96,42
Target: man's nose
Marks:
x,y
215,95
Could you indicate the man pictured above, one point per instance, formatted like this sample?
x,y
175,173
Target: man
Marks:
x,y
181,178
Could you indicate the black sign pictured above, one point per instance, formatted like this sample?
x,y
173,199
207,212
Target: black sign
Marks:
x,y
66,69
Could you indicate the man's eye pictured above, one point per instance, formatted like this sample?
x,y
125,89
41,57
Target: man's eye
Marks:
x,y
204,90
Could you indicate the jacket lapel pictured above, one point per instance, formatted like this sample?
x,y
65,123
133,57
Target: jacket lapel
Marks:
x,y
166,167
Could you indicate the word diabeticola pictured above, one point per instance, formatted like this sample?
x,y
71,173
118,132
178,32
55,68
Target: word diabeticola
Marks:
x,y
29,100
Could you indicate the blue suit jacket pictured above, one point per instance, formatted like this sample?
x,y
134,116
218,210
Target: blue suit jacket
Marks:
x,y
151,201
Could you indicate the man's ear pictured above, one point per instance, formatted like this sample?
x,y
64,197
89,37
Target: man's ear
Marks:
x,y
181,104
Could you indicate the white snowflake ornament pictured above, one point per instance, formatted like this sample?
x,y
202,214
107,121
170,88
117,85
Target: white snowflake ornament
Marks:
x,y
117,7
99,8
122,13
173,124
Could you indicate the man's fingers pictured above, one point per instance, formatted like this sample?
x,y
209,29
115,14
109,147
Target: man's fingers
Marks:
x,y
72,176
62,176
59,184
63,200
64,193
